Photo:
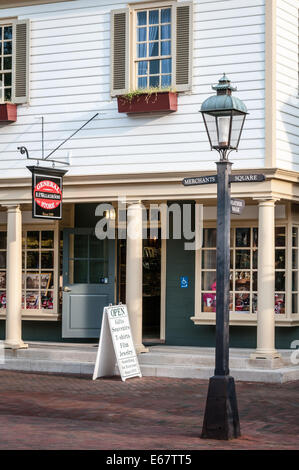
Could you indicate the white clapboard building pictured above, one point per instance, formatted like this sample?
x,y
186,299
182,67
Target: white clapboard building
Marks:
x,y
64,63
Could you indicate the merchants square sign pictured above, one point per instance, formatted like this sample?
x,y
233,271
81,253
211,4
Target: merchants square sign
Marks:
x,y
46,192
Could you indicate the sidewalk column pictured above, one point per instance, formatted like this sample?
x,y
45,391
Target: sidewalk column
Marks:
x,y
265,354
14,279
134,272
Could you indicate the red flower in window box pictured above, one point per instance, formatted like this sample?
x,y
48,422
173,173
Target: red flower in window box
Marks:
x,y
166,101
8,112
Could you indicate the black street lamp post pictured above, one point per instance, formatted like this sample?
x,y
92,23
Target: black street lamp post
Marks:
x,y
224,116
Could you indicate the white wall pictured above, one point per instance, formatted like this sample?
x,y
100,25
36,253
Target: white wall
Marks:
x,y
70,62
287,85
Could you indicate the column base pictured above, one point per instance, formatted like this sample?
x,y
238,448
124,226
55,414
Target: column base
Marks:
x,y
266,360
14,344
140,349
221,419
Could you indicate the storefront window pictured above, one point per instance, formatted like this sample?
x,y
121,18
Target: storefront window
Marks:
x,y
2,270
244,270
38,269
295,238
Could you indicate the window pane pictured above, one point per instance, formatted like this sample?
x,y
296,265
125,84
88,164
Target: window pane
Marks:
x,y
165,48
142,67
7,79
254,281
165,31
142,82
166,81
80,271
0,33
280,280
32,259
46,281
255,237
141,50
279,236
243,259
153,49
7,63
295,281
154,67
47,300
242,302
209,237
295,237
141,18
279,303
208,280
154,81
32,300
47,239
32,280
208,302
47,260
2,259
166,65
294,303
154,17
8,32
295,259
242,281
2,280
254,259
242,237
32,239
254,303
98,271
166,15
7,94
209,259
280,259
141,37
80,246
153,33
97,248
2,299
3,240
7,48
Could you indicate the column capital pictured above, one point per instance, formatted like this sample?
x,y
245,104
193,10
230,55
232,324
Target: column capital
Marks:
x,y
12,207
267,201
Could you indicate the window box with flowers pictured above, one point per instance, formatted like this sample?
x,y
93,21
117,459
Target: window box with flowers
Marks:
x,y
151,59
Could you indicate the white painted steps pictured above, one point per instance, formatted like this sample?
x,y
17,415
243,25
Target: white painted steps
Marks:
x,y
160,361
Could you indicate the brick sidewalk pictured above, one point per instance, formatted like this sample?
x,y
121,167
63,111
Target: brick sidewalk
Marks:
x,y
67,412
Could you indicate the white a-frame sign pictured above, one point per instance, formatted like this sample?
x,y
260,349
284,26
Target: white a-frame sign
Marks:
x,y
116,345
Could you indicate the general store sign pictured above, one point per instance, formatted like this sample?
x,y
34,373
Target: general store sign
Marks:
x,y
116,345
46,192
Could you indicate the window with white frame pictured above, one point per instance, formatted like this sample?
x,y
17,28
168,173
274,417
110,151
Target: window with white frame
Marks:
x,y
14,61
5,62
151,47
244,270
295,247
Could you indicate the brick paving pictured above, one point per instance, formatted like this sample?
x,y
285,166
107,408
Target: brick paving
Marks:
x,y
47,411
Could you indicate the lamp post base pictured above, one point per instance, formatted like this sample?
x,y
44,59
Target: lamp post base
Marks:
x,y
221,420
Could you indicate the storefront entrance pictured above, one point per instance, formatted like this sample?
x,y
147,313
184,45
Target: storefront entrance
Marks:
x,y
88,282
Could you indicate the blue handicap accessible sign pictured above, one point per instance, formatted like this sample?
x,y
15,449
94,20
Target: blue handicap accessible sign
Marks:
x,y
184,282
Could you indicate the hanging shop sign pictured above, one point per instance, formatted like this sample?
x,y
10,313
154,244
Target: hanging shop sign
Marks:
x,y
116,345
46,192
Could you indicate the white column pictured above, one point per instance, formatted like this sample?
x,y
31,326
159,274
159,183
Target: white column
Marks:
x,y
14,279
134,273
265,353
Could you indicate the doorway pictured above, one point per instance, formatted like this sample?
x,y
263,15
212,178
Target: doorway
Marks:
x,y
151,295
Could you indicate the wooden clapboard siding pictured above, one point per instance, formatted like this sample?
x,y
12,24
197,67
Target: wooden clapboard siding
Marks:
x,y
287,85
70,81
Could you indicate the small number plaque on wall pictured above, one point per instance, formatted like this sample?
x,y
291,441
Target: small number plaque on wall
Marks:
x,y
46,192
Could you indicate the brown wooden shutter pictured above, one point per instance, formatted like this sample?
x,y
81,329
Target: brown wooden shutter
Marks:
x,y
183,46
119,52
21,46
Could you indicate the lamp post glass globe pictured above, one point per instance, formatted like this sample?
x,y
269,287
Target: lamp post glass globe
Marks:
x,y
224,116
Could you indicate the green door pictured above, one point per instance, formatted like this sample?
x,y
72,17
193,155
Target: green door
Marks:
x,y
88,282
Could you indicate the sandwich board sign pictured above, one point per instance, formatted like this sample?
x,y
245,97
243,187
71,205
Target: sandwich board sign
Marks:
x,y
116,345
